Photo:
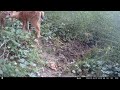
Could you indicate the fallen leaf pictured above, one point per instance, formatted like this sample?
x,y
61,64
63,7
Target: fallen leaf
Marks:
x,y
52,65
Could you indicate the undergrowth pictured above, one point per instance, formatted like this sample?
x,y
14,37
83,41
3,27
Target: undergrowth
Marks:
x,y
99,30
18,55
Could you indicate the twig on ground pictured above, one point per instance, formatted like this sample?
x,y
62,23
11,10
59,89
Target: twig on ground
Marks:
x,y
3,52
3,43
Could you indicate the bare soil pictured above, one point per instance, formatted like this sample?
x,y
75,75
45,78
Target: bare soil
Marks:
x,y
60,57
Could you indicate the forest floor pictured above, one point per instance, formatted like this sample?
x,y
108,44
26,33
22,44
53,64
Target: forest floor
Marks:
x,y
59,57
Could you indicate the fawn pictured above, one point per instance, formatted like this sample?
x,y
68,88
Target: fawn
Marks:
x,y
3,15
34,17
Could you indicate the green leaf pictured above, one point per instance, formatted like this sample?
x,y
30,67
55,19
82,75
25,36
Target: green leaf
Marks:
x,y
22,65
21,60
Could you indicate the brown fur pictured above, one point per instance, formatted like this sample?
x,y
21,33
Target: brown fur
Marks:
x,y
3,15
34,17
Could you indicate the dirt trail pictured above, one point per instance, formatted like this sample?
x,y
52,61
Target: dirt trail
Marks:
x,y
58,61
54,66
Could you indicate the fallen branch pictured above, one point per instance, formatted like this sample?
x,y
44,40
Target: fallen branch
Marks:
x,y
3,43
3,52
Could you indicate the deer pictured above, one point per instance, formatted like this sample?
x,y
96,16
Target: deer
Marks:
x,y
42,19
3,16
34,17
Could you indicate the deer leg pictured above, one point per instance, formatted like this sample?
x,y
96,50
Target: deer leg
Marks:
x,y
12,21
28,26
24,25
2,23
36,24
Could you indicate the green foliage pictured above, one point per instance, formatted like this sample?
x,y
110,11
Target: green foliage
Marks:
x,y
92,27
101,29
17,54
